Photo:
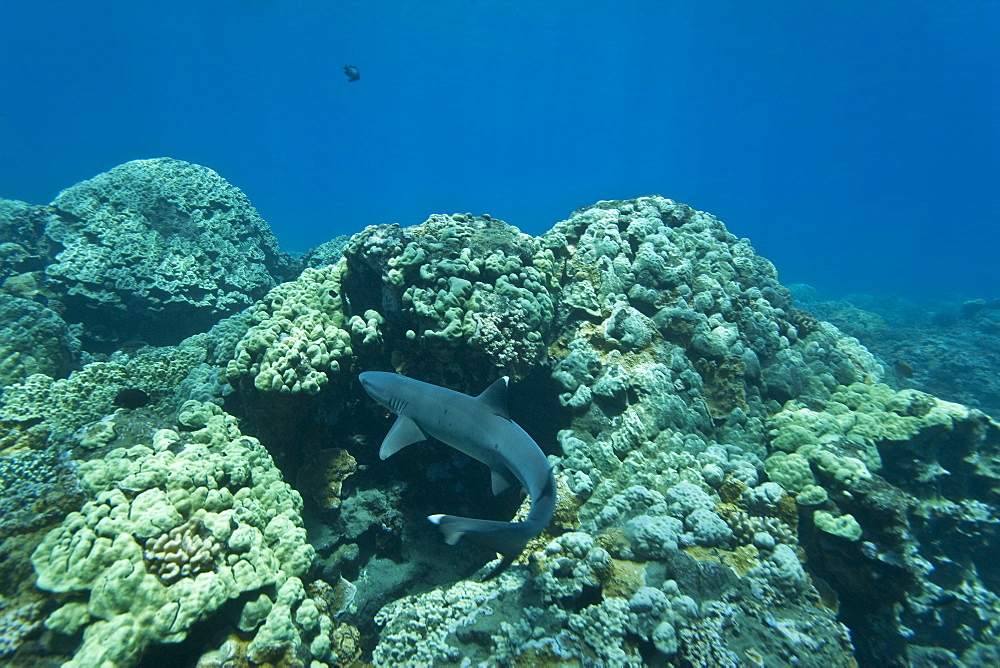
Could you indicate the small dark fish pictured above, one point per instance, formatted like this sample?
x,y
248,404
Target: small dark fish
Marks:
x,y
131,398
947,598
904,368
352,72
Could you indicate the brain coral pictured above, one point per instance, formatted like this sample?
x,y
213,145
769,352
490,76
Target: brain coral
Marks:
x,y
158,242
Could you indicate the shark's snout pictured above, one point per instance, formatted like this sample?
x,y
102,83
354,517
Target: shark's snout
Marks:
x,y
379,386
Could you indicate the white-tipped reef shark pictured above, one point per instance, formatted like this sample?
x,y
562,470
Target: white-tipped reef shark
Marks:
x,y
481,428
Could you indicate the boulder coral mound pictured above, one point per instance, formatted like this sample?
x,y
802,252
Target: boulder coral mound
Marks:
x,y
720,450
175,528
454,294
36,340
153,242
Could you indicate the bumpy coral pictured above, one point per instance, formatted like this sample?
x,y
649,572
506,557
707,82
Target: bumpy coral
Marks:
x,y
164,238
569,565
453,283
215,479
182,552
35,340
300,335
460,285
18,623
896,468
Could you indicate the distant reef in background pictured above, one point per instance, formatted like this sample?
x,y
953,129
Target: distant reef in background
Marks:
x,y
189,470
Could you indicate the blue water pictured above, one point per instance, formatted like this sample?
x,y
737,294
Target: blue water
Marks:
x,y
856,143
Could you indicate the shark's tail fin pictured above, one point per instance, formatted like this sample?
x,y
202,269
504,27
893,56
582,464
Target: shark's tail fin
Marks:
x,y
507,538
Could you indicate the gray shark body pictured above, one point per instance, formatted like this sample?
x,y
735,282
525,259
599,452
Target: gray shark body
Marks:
x,y
479,427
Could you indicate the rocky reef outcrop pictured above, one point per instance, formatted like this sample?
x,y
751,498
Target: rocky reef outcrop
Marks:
x,y
737,484
152,250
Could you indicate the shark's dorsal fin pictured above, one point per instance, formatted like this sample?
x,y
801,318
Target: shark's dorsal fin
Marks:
x,y
402,433
495,397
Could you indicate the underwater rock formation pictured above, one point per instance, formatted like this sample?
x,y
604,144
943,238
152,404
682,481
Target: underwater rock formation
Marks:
x,y
173,528
36,340
153,249
736,485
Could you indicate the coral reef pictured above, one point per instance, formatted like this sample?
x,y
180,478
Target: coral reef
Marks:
x,y
24,249
153,243
737,485
711,427
949,349
173,529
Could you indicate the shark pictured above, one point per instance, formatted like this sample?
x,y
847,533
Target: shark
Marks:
x,y
481,428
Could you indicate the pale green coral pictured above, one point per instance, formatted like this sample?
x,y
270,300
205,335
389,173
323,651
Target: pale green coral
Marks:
x,y
844,526
88,394
301,336
841,438
224,483
791,471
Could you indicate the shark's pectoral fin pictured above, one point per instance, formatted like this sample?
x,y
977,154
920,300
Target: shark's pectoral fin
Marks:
x,y
403,432
502,480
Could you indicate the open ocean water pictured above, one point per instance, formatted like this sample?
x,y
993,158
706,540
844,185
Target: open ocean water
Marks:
x,y
856,144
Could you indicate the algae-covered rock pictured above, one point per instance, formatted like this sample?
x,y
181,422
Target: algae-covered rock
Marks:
x,y
157,250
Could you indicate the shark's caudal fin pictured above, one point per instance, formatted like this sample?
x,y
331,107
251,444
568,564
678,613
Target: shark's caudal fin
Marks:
x,y
507,538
